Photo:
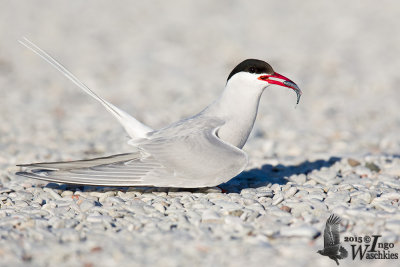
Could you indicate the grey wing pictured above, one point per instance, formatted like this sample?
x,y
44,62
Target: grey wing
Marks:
x,y
186,154
108,171
193,155
331,233
86,163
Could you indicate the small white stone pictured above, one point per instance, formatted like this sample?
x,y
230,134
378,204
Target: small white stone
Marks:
x,y
158,206
276,187
227,205
67,193
210,216
384,205
298,179
290,192
390,195
52,193
363,195
86,205
393,225
278,198
299,231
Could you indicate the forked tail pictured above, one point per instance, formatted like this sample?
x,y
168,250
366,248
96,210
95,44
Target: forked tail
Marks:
x,y
133,127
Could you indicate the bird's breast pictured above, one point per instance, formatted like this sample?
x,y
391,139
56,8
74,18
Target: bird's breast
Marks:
x,y
237,130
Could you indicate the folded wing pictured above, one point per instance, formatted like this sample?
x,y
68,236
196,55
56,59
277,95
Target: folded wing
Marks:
x,y
186,154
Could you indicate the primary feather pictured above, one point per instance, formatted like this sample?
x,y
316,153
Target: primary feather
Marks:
x,y
331,233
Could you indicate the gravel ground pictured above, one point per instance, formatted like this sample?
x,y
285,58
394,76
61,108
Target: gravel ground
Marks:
x,y
336,152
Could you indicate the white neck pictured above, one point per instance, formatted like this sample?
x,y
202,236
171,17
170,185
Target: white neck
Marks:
x,y
237,106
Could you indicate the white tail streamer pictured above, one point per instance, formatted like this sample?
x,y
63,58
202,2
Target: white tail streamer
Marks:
x,y
133,127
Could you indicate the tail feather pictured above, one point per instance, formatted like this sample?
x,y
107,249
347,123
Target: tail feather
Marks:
x,y
133,127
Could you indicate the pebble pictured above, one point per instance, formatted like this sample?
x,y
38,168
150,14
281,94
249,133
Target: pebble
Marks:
x,y
325,177
290,192
98,218
67,193
298,179
86,205
236,213
384,205
52,193
393,225
315,195
160,207
353,162
264,192
286,208
363,171
363,195
393,183
299,231
278,198
297,209
210,216
372,166
390,195
227,205
276,187
339,196
250,191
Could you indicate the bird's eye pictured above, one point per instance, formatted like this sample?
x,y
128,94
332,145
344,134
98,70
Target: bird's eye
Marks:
x,y
252,70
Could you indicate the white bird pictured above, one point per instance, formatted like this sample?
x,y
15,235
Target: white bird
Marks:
x,y
200,151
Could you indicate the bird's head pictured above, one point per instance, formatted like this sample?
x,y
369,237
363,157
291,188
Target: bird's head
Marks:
x,y
320,252
259,74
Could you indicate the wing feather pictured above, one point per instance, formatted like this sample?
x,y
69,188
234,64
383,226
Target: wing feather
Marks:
x,y
186,154
64,165
331,232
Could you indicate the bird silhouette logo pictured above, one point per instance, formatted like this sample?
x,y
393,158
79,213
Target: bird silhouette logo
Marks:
x,y
332,246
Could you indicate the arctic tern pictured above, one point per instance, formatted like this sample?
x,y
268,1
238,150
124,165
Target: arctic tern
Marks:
x,y
204,150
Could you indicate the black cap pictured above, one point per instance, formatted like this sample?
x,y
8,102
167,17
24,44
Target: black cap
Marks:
x,y
252,66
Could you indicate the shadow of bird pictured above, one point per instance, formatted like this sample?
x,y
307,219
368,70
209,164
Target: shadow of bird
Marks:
x,y
332,247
